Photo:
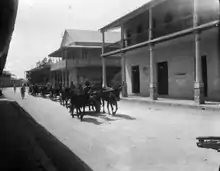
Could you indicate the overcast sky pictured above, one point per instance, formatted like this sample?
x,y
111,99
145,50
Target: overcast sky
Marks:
x,y
41,23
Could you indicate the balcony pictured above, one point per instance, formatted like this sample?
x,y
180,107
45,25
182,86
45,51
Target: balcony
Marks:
x,y
161,30
112,47
136,38
71,63
82,63
174,26
91,62
58,65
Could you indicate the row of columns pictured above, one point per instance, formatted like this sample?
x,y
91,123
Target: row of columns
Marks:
x,y
198,84
104,80
60,77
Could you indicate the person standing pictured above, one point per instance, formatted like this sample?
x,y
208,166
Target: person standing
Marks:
x,y
14,88
23,91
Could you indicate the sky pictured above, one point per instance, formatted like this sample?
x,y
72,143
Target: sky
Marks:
x,y
40,25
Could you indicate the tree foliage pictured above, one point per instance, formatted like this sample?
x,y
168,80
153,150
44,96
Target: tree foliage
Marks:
x,y
44,62
40,74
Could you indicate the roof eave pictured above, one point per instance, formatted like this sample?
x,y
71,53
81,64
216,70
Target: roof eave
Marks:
x,y
53,54
120,21
112,25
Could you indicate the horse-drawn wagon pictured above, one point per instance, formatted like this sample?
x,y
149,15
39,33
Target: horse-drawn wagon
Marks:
x,y
209,142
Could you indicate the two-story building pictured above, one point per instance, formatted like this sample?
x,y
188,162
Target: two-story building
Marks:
x,y
79,58
169,48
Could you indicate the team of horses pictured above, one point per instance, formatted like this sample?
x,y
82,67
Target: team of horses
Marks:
x,y
78,99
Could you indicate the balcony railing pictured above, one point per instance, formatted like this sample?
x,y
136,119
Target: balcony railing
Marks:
x,y
113,47
82,63
160,30
58,65
90,62
136,38
174,26
208,18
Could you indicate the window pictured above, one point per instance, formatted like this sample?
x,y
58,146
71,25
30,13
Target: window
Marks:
x,y
84,54
139,35
128,37
154,23
139,29
168,17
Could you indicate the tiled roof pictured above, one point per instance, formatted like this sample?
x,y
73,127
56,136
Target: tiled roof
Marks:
x,y
88,36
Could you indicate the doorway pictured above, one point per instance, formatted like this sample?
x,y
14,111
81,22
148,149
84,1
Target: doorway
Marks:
x,y
135,79
205,75
162,78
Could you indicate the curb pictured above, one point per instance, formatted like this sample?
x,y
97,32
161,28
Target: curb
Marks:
x,y
44,162
52,160
155,102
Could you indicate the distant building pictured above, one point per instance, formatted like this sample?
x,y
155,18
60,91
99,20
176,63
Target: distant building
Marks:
x,y
170,48
39,75
8,80
79,58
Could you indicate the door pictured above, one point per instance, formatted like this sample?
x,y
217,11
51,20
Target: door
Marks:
x,y
162,78
205,75
135,79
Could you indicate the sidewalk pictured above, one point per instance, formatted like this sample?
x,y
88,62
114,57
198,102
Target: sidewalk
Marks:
x,y
212,106
27,146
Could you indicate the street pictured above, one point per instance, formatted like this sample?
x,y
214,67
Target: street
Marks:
x,y
139,138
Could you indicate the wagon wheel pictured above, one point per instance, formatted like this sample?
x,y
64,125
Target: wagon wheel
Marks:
x,y
97,106
116,108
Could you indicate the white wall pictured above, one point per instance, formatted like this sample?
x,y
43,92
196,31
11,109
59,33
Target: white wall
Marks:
x,y
179,54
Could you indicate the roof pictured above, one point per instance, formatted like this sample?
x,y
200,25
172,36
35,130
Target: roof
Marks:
x,y
8,13
72,36
39,68
90,39
58,52
138,11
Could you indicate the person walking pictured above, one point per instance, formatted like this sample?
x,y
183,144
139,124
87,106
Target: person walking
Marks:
x,y
14,88
23,91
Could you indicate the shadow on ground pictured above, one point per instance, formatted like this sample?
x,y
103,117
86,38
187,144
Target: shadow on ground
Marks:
x,y
59,154
123,116
92,120
106,117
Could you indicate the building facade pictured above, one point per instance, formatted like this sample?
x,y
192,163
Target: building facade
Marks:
x,y
9,80
39,75
170,48
79,58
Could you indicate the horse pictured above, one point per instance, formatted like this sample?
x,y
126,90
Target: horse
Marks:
x,y
111,96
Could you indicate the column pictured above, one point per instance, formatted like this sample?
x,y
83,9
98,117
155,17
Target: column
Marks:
x,y
57,82
62,78
65,56
58,76
153,82
123,66
54,78
104,84
67,77
198,85
66,84
123,74
52,73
